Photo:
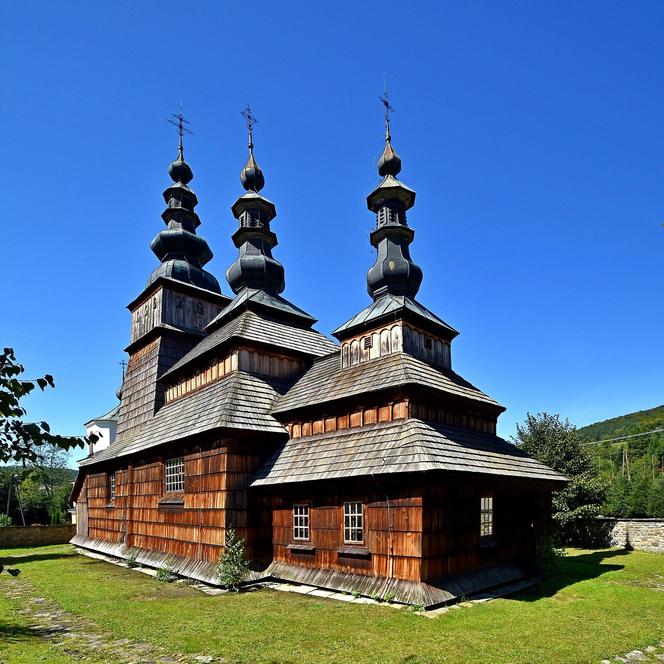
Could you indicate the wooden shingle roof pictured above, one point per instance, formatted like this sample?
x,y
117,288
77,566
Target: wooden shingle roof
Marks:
x,y
238,401
327,381
398,447
394,306
252,327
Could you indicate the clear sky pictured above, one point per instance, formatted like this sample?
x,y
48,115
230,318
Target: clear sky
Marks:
x,y
531,131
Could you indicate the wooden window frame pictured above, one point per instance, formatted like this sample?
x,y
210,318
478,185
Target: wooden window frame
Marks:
x,y
350,528
174,485
487,520
111,487
306,527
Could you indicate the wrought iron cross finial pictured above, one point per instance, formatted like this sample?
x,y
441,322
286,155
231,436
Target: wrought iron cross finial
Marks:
x,y
251,121
385,101
180,121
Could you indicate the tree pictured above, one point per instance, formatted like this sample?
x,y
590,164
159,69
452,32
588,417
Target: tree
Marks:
x,y
656,498
233,567
557,443
22,441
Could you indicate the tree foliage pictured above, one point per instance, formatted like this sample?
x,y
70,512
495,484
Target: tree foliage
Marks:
x,y
20,440
42,488
233,567
557,443
629,456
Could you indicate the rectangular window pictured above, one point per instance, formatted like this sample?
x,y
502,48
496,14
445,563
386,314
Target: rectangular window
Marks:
x,y
486,517
301,522
174,475
353,526
111,486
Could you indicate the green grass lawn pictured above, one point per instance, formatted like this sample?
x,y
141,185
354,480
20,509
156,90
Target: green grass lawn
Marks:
x,y
600,604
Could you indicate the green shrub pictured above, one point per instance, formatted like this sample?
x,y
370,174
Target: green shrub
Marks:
x,y
388,597
549,559
166,574
233,567
131,561
5,521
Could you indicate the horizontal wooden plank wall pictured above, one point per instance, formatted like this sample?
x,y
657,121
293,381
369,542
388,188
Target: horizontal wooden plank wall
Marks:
x,y
356,417
451,524
457,417
393,535
241,358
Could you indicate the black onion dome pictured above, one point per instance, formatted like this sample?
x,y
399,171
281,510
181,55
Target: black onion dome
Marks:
x,y
182,253
255,267
251,176
389,162
180,171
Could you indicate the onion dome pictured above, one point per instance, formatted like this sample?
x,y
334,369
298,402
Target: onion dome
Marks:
x,y
181,252
393,272
255,268
179,170
389,162
251,175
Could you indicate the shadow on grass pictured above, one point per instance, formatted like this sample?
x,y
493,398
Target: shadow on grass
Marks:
x,y
13,633
572,570
34,557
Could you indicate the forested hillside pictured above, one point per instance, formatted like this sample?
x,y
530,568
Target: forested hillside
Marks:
x,y
630,458
639,422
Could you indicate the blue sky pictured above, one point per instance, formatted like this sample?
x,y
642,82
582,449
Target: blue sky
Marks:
x,y
531,131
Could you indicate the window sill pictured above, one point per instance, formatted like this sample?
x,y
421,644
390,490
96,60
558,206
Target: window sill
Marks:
x,y
302,548
172,500
354,551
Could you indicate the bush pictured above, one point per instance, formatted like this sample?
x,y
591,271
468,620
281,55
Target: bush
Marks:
x,y
549,559
233,567
131,562
5,521
166,574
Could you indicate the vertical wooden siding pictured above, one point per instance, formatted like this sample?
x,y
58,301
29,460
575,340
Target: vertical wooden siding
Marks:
x,y
190,524
393,536
451,524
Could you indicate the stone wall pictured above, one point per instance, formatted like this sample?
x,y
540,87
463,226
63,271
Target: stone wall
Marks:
x,y
35,535
640,534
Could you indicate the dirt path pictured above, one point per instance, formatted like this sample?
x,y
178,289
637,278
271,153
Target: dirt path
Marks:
x,y
80,638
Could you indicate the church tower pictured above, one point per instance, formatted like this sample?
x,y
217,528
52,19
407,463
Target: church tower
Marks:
x,y
395,321
178,301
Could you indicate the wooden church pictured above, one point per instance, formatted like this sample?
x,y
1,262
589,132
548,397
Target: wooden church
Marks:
x,y
367,465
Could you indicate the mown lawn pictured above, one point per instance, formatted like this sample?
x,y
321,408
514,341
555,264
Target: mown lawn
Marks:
x,y
601,604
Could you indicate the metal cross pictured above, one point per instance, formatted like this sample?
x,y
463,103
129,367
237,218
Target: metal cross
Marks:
x,y
180,121
251,121
385,101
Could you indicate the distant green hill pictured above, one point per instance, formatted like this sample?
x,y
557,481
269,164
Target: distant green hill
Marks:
x,y
625,425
